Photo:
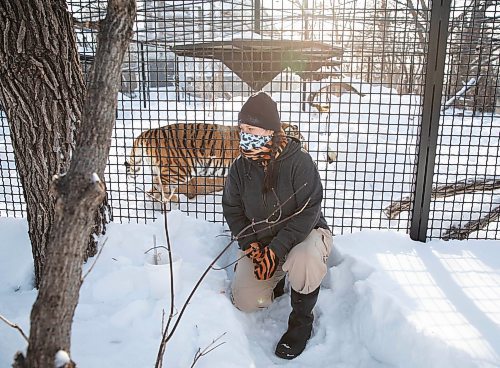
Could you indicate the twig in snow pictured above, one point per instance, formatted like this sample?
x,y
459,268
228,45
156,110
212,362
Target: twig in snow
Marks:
x,y
168,335
155,260
208,349
161,351
154,248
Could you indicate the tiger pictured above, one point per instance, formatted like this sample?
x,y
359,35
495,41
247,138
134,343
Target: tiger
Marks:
x,y
189,159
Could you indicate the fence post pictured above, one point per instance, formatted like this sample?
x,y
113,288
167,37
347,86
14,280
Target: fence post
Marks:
x,y
306,37
438,34
257,16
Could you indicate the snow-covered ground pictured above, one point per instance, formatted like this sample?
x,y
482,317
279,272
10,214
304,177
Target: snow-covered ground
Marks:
x,y
387,301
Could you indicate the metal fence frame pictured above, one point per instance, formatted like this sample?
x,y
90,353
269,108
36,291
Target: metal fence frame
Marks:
x,y
430,115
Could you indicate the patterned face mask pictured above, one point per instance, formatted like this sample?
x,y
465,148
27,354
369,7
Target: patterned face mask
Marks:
x,y
250,141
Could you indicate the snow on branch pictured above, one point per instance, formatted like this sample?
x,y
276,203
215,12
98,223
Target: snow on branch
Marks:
x,y
467,86
463,232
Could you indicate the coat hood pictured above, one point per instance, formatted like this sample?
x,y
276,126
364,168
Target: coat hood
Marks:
x,y
291,148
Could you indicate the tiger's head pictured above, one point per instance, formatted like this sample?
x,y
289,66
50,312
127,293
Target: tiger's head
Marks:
x,y
131,170
134,164
292,130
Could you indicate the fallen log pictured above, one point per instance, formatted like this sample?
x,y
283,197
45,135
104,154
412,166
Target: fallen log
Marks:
x,y
463,232
465,186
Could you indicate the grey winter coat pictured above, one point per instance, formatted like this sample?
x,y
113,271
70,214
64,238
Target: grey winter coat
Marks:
x,y
244,203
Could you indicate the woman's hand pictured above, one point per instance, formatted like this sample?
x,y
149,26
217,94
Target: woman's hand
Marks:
x,y
264,261
254,252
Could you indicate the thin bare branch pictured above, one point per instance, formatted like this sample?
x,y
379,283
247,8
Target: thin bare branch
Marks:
x,y
274,222
167,335
158,246
95,260
200,353
88,24
473,82
230,264
15,326
161,350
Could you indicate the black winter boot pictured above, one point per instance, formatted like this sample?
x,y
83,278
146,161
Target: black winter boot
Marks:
x,y
293,342
279,289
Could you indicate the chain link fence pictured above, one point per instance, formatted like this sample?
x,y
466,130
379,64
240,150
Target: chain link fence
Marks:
x,y
360,80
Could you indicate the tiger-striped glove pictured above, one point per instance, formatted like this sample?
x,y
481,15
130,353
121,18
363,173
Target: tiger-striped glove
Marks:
x,y
254,251
265,265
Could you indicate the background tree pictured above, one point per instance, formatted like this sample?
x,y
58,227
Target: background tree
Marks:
x,y
42,91
474,58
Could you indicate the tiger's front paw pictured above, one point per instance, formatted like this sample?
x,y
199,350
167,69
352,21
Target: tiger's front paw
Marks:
x,y
162,197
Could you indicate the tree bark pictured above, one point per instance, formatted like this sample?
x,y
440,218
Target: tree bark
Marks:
x,y
42,97
42,92
79,193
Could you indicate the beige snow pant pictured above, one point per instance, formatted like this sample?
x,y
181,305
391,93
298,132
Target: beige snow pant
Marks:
x,y
305,264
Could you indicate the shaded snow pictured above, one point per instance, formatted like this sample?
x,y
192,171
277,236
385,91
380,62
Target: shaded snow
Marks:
x,y
387,302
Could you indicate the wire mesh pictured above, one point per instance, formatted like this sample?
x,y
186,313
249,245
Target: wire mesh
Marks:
x,y
467,172
11,191
352,82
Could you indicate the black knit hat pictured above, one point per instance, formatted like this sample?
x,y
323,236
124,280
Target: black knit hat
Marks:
x,y
260,110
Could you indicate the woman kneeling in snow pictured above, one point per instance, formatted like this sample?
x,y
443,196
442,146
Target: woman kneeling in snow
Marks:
x,y
275,186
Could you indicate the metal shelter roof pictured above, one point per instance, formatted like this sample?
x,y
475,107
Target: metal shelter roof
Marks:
x,y
258,62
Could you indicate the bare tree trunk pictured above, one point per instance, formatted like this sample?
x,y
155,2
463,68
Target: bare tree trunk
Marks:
x,y
79,193
473,55
42,91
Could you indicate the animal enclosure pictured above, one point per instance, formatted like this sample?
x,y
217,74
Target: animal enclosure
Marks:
x,y
398,103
